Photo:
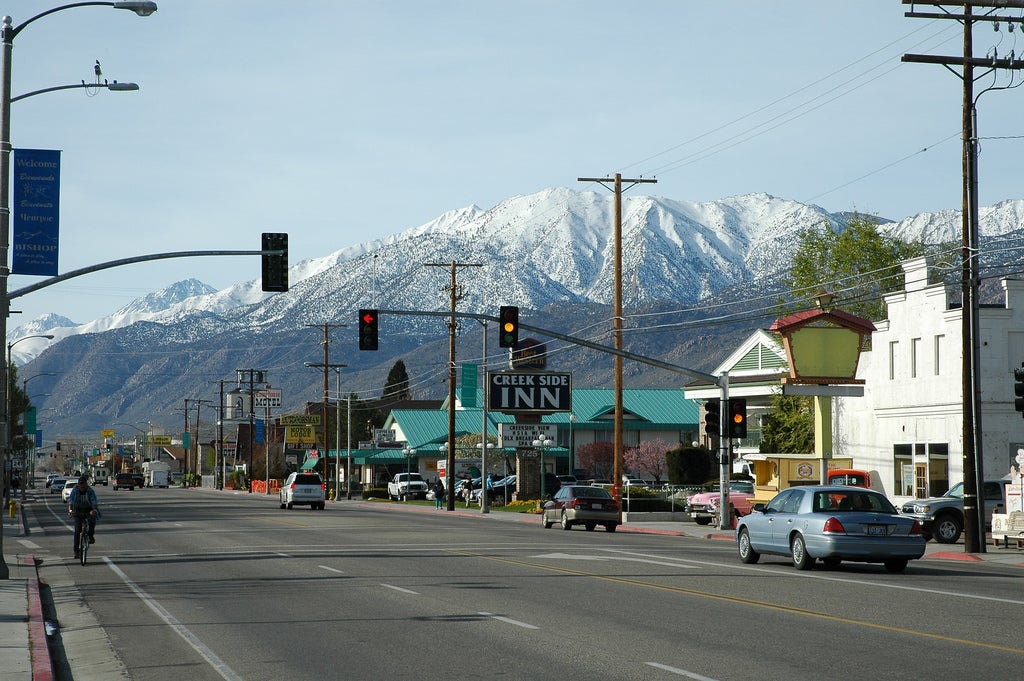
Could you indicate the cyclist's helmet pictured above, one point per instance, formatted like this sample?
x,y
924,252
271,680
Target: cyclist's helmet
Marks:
x,y
83,478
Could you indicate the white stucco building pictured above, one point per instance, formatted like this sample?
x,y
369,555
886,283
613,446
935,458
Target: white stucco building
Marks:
x,y
907,428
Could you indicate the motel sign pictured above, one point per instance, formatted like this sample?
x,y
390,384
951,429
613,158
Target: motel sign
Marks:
x,y
529,391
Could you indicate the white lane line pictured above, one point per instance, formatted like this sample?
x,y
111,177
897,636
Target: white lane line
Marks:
x,y
28,544
680,672
508,620
181,630
330,569
398,588
283,555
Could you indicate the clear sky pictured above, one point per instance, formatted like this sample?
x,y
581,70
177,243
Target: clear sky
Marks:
x,y
340,121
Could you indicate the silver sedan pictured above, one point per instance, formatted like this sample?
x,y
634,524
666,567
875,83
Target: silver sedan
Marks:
x,y
831,524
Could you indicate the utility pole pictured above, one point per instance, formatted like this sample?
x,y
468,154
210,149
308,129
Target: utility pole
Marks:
x,y
199,447
616,187
255,376
456,292
326,342
973,450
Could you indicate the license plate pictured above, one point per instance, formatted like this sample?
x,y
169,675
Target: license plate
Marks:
x,y
876,530
596,507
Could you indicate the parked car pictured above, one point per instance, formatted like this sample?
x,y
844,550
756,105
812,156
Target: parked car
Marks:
x,y
65,492
407,486
50,478
581,505
942,518
124,481
56,485
831,524
703,506
140,481
304,489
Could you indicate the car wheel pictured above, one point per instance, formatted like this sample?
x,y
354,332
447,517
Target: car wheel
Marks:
x,y
947,528
798,549
702,521
547,523
896,564
590,526
288,506
747,552
610,527
566,523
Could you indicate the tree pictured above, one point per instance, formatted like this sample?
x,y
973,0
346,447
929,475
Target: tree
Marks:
x,y
598,458
789,426
396,387
859,263
647,459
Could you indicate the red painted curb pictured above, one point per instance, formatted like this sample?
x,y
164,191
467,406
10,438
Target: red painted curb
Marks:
x,y
42,665
952,555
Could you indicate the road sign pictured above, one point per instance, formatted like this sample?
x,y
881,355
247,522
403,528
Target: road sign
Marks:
x,y
522,435
107,433
529,391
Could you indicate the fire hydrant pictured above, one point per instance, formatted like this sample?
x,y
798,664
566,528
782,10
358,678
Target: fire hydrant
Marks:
x,y
13,506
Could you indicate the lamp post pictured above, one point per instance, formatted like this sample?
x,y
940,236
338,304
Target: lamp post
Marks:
x,y
409,453
8,389
8,33
542,445
485,448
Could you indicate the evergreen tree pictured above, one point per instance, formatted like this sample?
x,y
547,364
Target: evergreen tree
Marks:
x,y
396,387
789,426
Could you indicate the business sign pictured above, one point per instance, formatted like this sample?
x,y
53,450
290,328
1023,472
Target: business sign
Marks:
x,y
300,419
159,440
300,435
522,435
529,391
35,212
268,398
107,433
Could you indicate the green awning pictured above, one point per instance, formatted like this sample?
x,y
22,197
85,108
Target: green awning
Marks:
x,y
309,464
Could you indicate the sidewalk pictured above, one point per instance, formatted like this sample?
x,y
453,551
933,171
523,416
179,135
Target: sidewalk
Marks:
x,y
24,655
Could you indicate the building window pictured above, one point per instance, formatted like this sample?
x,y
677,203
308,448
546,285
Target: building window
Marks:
x,y
893,346
914,344
939,340
921,470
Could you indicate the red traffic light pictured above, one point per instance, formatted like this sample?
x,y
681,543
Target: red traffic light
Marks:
x,y
368,329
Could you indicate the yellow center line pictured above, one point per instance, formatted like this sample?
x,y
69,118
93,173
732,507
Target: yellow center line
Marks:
x,y
793,610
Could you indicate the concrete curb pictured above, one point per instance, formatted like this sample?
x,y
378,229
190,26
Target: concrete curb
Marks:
x,y
39,649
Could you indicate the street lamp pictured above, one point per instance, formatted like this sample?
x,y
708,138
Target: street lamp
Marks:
x,y
8,33
542,445
409,453
485,448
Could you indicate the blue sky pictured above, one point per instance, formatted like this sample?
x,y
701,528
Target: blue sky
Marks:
x,y
339,121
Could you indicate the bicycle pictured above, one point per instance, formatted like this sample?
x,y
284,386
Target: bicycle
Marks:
x,y
83,538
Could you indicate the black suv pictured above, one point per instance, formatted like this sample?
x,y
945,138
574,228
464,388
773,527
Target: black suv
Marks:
x,y
124,481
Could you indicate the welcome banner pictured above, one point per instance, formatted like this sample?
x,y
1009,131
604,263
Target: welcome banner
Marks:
x,y
35,212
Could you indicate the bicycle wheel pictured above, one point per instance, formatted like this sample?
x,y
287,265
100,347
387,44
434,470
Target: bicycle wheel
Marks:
x,y
83,542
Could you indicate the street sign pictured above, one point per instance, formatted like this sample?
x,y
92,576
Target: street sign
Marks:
x,y
107,433
268,398
529,391
522,435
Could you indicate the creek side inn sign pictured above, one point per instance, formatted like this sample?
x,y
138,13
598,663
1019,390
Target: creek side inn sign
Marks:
x,y
521,392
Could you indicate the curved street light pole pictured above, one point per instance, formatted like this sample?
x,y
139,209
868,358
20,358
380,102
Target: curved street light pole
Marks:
x,y
8,33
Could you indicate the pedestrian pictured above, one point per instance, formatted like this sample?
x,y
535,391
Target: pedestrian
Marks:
x,y
438,494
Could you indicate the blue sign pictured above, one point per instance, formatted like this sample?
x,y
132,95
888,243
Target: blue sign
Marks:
x,y
260,432
39,439
35,212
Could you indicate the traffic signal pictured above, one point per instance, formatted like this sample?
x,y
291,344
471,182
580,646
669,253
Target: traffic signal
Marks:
x,y
712,417
1018,390
368,327
58,446
275,267
737,418
508,326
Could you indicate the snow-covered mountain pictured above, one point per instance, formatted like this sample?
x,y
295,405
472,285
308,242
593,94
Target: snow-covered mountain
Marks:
x,y
549,250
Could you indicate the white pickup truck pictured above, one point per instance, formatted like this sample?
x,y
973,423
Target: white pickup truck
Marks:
x,y
407,486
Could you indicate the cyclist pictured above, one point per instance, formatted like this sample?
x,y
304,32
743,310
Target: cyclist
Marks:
x,y
83,506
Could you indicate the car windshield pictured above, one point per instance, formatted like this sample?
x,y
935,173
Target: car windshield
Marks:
x,y
590,493
307,480
957,491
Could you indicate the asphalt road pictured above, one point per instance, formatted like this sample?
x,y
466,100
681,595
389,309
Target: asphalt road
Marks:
x,y
199,585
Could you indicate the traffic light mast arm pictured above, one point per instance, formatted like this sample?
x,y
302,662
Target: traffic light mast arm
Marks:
x,y
126,261
568,339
